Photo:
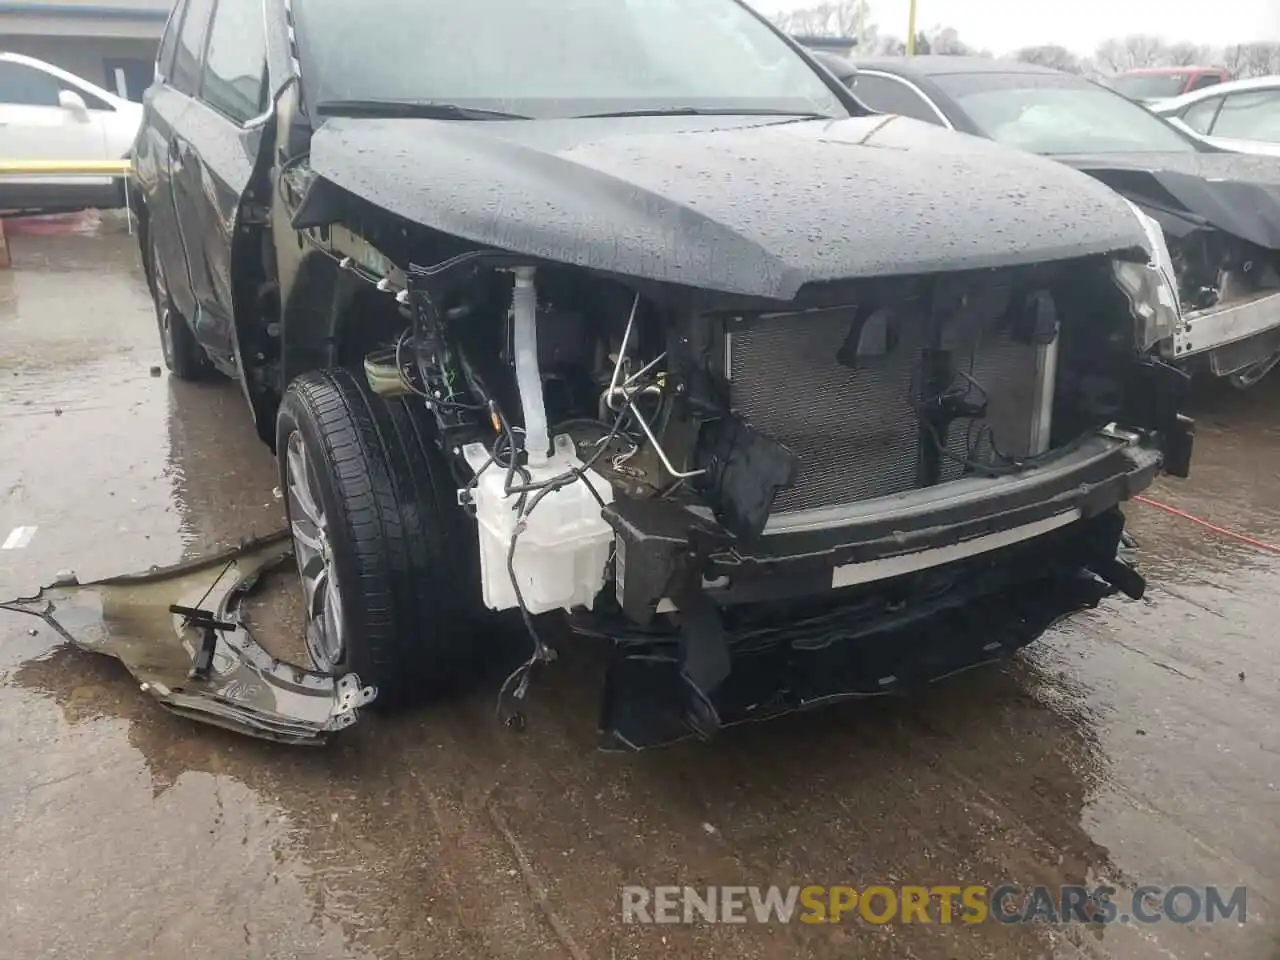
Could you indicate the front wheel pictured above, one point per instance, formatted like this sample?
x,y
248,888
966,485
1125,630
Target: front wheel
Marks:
x,y
389,574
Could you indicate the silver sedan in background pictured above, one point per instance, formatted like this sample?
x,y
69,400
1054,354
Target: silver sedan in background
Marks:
x,y
1243,115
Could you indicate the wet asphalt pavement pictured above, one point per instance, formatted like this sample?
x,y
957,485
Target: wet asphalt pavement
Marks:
x,y
1136,744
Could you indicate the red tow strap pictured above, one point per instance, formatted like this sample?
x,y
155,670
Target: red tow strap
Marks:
x,y
1221,531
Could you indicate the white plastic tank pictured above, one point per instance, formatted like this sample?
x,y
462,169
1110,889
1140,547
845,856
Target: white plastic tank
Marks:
x,y
561,554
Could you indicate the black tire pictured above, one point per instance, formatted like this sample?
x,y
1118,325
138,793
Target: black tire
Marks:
x,y
183,356
405,554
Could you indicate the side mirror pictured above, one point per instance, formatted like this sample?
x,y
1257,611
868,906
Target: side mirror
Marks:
x,y
72,101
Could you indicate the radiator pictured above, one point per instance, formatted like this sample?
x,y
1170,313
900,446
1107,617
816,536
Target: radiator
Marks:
x,y
1014,376
853,424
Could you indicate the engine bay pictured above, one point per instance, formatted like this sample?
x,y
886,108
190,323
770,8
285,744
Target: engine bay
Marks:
x,y
544,375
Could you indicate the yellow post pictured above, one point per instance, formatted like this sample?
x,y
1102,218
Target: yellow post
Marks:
x,y
65,168
911,29
116,169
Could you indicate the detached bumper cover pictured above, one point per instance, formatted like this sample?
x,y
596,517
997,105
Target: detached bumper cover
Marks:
x,y
243,688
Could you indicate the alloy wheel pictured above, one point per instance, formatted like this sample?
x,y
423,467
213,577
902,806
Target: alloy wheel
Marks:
x,y
321,590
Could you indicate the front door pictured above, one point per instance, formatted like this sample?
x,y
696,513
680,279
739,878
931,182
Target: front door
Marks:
x,y
217,145
166,102
36,125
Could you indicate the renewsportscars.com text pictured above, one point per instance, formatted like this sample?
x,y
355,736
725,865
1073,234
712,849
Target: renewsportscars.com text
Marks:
x,y
971,904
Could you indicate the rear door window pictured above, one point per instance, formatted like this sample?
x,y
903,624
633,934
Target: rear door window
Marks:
x,y
186,63
236,65
888,95
1250,116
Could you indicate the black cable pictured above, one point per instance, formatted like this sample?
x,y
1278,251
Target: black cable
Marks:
x,y
1010,467
562,480
400,368
976,466
517,683
222,573
582,422
519,678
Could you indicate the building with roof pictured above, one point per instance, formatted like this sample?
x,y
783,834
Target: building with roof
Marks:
x,y
109,42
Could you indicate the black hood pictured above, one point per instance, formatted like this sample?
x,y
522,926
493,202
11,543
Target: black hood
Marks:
x,y
737,205
1234,192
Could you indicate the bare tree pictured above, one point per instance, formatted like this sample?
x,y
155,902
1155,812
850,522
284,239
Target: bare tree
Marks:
x,y
1145,50
884,45
800,22
830,18
1109,56
1241,60
1256,59
946,42
1090,68
852,19
1187,54
1128,53
1233,59
1050,55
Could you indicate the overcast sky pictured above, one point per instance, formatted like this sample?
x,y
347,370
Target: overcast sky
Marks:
x,y
1005,25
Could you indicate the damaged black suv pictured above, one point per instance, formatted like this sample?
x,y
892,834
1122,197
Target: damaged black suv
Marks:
x,y
627,311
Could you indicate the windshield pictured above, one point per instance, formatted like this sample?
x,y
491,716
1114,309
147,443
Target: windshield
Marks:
x,y
555,58
1149,86
1057,113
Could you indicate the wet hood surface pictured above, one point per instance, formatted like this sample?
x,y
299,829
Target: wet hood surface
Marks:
x,y
246,689
1235,193
747,206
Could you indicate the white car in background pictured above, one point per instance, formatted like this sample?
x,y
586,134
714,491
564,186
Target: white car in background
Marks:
x,y
1242,116
47,113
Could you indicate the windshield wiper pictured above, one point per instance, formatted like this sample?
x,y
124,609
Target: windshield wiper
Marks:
x,y
420,109
709,112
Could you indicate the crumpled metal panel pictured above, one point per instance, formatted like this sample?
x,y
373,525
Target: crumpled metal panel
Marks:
x,y
1235,193
247,690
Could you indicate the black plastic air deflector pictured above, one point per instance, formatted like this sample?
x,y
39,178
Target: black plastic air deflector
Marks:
x,y
745,471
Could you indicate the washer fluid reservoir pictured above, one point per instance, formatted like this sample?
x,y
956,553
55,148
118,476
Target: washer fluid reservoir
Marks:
x,y
562,552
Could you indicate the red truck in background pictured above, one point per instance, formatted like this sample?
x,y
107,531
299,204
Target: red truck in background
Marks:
x,y
1149,84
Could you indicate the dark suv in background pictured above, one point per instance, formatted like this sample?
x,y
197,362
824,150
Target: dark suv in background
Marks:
x,y
627,313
